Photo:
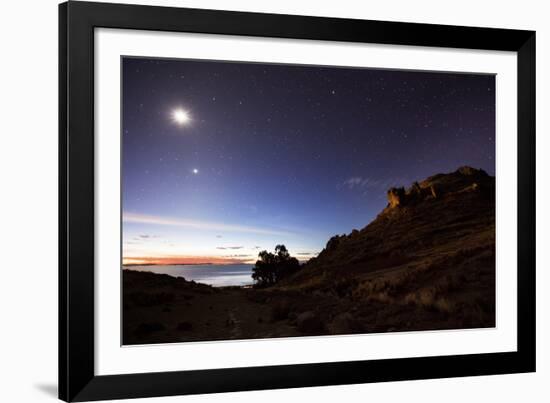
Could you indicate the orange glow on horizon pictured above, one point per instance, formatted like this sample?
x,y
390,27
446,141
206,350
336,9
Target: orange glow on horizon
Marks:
x,y
172,260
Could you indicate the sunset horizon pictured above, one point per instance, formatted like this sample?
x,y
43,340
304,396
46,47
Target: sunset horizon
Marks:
x,y
183,260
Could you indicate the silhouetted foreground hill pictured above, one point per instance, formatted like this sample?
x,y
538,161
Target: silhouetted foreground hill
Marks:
x,y
426,262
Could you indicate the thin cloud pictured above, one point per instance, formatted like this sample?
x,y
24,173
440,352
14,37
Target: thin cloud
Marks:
x,y
360,182
229,247
141,237
200,225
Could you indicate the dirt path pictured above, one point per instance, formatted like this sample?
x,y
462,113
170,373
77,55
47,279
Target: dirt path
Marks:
x,y
213,314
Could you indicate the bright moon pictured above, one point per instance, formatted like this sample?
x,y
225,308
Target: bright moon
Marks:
x,y
195,171
181,116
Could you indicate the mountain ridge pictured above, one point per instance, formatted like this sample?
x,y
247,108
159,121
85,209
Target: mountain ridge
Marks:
x,y
425,224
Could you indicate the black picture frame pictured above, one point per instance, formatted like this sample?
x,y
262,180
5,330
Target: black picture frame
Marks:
x,y
77,379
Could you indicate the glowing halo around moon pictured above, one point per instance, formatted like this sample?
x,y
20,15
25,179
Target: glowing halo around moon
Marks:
x,y
181,117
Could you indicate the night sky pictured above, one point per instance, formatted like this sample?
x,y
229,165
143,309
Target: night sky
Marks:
x,y
221,160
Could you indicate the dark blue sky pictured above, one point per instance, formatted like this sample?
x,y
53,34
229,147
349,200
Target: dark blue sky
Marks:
x,y
281,153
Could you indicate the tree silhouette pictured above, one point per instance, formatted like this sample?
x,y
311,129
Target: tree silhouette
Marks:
x,y
272,267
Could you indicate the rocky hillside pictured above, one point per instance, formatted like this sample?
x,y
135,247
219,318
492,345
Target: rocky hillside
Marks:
x,y
433,246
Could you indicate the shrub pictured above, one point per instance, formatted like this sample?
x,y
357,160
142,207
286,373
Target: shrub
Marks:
x,y
273,267
428,298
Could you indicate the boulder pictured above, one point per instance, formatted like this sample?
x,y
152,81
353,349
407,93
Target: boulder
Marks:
x,y
414,193
396,197
333,242
414,190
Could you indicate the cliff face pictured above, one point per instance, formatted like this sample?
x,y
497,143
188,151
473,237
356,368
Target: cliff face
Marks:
x,y
434,243
463,179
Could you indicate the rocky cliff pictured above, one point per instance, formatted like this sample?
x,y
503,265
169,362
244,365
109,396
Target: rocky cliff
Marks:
x,y
433,247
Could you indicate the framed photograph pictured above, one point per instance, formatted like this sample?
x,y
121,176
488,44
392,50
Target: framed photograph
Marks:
x,y
254,201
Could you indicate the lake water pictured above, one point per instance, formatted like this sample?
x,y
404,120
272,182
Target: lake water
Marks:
x,y
217,275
